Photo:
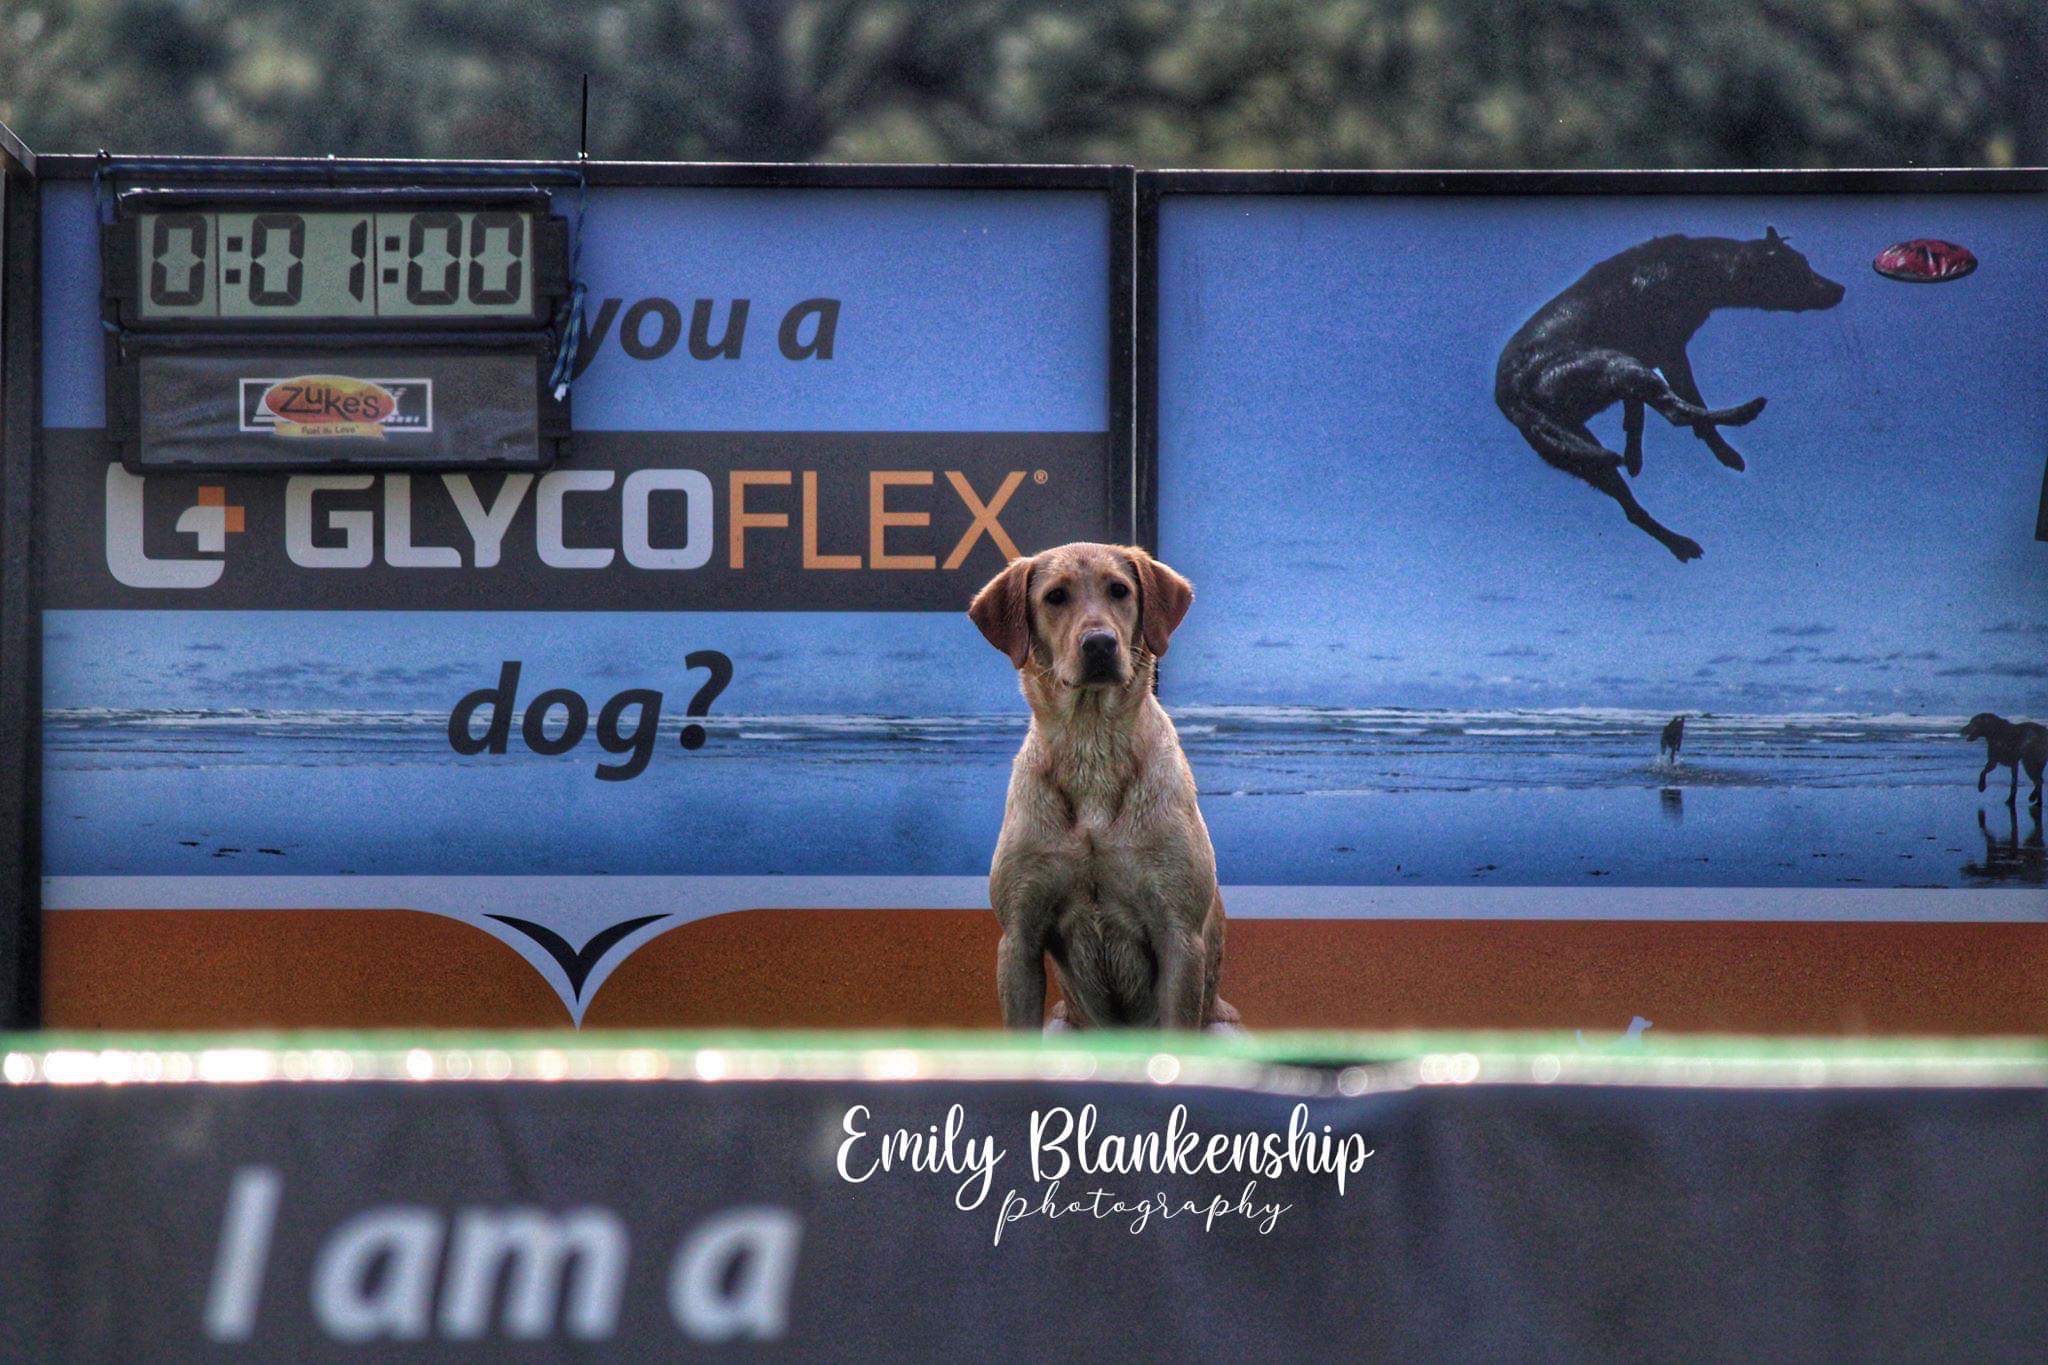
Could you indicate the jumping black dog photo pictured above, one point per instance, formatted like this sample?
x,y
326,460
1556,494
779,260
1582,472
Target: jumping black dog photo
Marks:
x,y
1619,335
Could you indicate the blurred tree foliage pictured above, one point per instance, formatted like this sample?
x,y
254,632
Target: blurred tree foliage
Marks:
x,y
1374,83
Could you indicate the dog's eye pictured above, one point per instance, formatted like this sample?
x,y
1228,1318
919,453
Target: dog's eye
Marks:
x,y
1119,590
1056,598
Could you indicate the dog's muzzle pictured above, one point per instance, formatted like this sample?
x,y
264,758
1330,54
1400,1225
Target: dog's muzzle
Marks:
x,y
1099,652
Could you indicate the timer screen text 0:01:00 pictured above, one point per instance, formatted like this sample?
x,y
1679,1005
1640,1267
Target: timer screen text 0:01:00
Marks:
x,y
431,263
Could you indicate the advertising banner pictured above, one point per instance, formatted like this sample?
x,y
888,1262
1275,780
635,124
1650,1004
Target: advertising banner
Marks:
x,y
404,748
1616,610
1620,597
865,1219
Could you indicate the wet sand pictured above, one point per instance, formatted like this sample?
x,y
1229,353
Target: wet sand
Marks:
x,y
1301,798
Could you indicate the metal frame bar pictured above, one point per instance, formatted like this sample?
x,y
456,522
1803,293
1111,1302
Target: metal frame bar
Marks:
x,y
15,156
20,615
1125,484
618,174
1931,180
1145,333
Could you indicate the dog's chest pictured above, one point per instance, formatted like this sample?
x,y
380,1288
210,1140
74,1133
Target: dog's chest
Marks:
x,y
1111,850
1101,828
1103,903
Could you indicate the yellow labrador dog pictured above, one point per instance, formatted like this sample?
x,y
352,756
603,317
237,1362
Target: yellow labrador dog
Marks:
x,y
1104,861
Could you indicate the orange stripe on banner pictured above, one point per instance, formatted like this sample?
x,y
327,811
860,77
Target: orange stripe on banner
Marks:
x,y
1755,976
910,968
231,969
810,969
833,968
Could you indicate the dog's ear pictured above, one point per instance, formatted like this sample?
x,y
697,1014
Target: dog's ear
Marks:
x,y
1771,234
1163,599
1003,613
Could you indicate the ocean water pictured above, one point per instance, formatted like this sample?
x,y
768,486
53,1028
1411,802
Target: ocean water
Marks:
x,y
1293,796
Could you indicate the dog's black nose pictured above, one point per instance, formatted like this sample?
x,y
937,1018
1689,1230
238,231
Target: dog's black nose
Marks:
x,y
1098,648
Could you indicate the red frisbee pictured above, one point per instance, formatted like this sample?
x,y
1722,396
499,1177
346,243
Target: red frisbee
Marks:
x,y
1924,260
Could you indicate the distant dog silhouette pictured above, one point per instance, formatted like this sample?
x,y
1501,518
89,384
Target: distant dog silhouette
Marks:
x,y
1674,738
2012,744
1619,336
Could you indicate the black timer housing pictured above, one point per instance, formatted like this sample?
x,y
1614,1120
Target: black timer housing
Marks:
x,y
301,327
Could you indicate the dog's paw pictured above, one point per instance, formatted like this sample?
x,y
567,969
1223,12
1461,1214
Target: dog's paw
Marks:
x,y
1742,415
1633,463
1684,548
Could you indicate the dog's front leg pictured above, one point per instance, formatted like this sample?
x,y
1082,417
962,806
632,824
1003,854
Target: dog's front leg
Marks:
x,y
1025,891
1183,979
1985,776
1678,374
1020,979
1632,428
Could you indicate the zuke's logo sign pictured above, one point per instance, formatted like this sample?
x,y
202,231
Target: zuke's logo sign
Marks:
x,y
327,405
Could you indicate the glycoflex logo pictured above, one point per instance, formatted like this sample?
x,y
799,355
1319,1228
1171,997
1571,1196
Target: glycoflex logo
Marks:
x,y
319,405
650,521
209,521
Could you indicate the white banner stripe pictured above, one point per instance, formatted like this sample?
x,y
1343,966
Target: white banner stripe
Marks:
x,y
588,903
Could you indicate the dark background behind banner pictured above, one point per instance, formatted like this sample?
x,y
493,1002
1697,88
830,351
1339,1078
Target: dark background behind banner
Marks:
x,y
1372,83
1491,1222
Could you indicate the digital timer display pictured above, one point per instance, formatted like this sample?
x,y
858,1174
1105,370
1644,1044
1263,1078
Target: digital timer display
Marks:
x,y
320,264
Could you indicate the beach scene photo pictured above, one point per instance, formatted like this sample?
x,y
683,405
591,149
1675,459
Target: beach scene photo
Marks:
x,y
1293,795
1434,654
1305,797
